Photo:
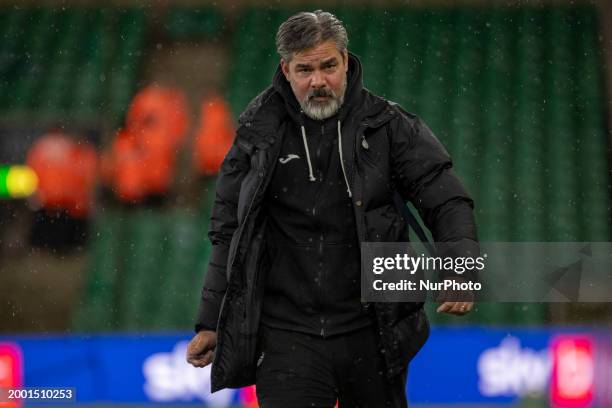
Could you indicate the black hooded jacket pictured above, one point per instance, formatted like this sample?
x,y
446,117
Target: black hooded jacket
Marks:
x,y
383,150
313,284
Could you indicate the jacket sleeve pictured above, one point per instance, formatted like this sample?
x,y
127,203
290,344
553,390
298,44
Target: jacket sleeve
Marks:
x,y
223,223
423,173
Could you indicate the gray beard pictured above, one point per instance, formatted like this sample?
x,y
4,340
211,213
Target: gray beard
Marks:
x,y
320,111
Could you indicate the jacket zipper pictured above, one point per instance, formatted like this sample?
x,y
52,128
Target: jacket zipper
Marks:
x,y
320,246
246,216
368,306
262,178
357,210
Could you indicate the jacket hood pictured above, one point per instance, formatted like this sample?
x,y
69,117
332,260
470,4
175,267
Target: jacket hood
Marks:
x,y
354,86
267,111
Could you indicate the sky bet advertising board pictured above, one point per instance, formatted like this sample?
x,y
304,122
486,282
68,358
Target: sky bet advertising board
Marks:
x,y
474,365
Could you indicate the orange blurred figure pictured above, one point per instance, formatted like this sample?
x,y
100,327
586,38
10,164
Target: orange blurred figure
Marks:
x,y
85,167
142,158
214,136
50,158
123,167
159,111
135,167
159,162
66,170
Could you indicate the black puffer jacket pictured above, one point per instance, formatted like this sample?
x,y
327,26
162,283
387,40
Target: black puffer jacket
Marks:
x,y
384,149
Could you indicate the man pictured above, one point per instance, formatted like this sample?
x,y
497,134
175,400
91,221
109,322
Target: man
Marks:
x,y
313,172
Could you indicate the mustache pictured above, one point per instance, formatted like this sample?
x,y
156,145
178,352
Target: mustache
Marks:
x,y
320,92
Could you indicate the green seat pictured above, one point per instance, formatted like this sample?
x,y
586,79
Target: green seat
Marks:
x,y
142,272
194,23
184,265
97,310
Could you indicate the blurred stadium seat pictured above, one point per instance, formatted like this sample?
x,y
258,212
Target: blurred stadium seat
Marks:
x,y
69,61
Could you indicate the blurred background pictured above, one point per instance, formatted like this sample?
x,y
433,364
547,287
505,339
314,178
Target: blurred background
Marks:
x,y
115,117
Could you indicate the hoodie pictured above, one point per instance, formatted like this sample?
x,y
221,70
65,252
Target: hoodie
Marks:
x,y
313,282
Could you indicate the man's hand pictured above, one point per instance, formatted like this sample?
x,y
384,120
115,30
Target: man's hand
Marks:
x,y
456,308
457,303
201,348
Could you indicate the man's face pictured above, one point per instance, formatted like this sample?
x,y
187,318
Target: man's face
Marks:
x,y
318,79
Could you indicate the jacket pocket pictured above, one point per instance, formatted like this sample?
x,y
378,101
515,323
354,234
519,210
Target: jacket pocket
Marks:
x,y
384,224
370,157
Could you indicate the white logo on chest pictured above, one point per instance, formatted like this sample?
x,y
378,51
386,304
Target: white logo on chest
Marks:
x,y
289,157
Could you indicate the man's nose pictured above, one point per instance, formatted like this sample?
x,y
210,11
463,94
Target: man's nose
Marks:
x,y
317,81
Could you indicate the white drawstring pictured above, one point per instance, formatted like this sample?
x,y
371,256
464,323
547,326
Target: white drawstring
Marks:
x,y
312,177
348,189
310,174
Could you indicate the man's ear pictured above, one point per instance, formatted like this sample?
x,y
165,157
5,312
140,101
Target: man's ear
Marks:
x,y
285,68
345,59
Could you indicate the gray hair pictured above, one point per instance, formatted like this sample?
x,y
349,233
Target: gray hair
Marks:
x,y
307,29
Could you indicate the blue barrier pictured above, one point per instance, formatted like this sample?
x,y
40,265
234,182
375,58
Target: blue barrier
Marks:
x,y
466,365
